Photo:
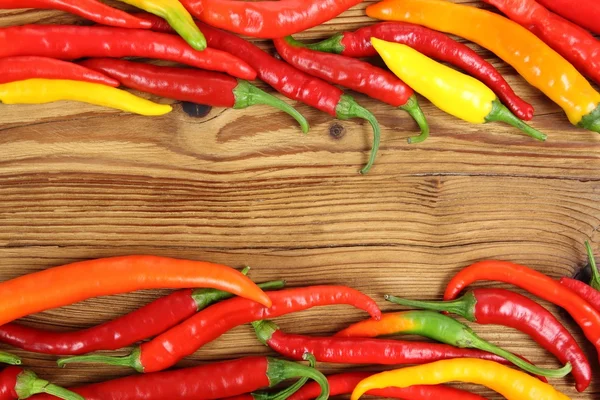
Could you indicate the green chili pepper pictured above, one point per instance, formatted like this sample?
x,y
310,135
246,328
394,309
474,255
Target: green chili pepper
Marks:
x,y
177,16
443,329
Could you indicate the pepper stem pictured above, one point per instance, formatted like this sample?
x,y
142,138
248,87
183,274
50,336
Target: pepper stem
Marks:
x,y
28,384
414,110
264,330
10,359
502,114
464,306
595,282
281,370
131,361
289,391
478,343
348,108
330,45
247,95
591,121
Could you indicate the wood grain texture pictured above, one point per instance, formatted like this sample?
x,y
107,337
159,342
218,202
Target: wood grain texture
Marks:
x,y
246,187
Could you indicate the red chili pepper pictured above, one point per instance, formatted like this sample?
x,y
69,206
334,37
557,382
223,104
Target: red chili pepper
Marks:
x,y
90,9
574,43
585,14
287,80
495,307
536,283
206,382
17,383
185,84
356,75
345,383
146,322
186,338
361,350
14,69
68,42
67,284
433,44
267,19
591,292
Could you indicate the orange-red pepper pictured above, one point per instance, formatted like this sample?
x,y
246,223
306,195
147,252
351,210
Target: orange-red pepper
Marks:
x,y
67,284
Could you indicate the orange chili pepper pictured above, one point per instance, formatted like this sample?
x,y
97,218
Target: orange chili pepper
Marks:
x,y
534,60
67,284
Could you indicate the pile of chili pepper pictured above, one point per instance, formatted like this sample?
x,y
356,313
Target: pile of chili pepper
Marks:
x,y
180,323
201,34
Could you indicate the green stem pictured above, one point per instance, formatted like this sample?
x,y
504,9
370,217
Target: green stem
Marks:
x,y
264,330
131,361
28,384
502,114
289,391
247,95
10,359
464,306
330,45
478,343
281,370
348,108
414,110
595,282
591,121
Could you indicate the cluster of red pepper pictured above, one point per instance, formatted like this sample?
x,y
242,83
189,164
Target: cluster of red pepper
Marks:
x,y
181,323
33,66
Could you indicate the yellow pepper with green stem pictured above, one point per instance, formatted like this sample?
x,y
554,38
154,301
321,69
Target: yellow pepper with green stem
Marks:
x,y
510,383
533,59
177,16
453,92
39,91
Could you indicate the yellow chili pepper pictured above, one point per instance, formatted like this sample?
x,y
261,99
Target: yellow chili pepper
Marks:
x,y
453,92
177,16
535,61
38,91
512,384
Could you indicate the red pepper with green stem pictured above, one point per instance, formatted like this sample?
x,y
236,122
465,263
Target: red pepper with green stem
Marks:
x,y
267,19
344,383
433,44
443,329
89,9
586,13
207,382
185,84
69,42
17,383
490,306
186,338
356,75
591,292
14,69
146,322
572,42
287,80
534,282
340,350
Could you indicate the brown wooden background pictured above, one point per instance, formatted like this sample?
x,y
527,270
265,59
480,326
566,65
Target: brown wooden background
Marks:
x,y
246,187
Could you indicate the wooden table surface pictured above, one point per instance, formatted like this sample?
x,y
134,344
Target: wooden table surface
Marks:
x,y
247,188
